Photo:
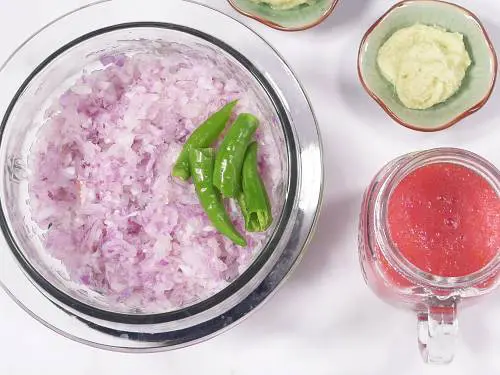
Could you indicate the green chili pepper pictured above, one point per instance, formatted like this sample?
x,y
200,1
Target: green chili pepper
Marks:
x,y
202,137
229,158
202,166
253,200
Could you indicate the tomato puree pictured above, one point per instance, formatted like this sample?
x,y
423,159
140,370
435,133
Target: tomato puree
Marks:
x,y
444,218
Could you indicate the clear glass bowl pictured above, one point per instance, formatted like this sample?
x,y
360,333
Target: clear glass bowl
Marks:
x,y
46,65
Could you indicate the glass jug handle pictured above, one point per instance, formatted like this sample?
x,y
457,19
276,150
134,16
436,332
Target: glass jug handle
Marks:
x,y
437,331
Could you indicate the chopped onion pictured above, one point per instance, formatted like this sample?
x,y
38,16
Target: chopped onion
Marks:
x,y
101,182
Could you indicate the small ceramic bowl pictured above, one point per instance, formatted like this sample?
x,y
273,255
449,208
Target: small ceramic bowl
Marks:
x,y
476,87
298,18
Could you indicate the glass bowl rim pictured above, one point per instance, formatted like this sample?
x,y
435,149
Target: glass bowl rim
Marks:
x,y
148,337
235,285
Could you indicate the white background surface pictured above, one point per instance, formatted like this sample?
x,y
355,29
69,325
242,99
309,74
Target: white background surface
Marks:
x,y
324,320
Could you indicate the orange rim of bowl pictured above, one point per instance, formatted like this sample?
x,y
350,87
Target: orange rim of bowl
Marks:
x,y
459,117
277,26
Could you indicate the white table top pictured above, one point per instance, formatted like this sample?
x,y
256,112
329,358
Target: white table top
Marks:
x,y
324,320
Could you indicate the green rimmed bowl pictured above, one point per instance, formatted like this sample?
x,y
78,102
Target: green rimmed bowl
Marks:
x,y
299,18
478,83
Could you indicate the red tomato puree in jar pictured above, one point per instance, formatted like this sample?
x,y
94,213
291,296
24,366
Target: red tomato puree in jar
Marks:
x,y
444,218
